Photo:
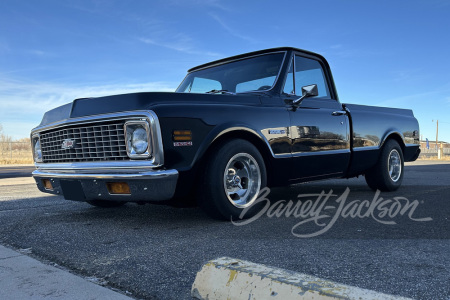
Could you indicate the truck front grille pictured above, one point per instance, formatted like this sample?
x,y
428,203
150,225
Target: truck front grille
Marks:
x,y
100,142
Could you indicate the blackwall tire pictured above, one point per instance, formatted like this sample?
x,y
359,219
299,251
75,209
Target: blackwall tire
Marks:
x,y
387,174
234,175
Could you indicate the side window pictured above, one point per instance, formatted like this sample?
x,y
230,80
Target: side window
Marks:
x,y
203,85
289,84
307,72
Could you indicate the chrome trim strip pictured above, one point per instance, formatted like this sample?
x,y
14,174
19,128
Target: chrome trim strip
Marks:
x,y
158,149
141,175
113,165
366,148
378,147
150,116
325,152
412,145
283,155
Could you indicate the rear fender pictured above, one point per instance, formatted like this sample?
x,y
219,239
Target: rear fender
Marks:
x,y
393,134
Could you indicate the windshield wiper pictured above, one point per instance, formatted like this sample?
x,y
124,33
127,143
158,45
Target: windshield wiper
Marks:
x,y
220,92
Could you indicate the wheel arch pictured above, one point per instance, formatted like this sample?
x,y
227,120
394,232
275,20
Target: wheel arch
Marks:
x,y
366,159
379,177
394,135
244,133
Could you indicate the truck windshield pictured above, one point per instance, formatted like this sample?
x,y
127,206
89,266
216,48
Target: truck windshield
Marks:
x,y
251,74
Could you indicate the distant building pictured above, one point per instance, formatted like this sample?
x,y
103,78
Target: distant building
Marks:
x,y
423,144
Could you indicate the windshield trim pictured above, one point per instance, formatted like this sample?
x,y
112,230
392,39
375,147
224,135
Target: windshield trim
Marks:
x,y
239,59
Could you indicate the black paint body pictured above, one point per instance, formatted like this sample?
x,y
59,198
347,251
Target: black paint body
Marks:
x,y
303,144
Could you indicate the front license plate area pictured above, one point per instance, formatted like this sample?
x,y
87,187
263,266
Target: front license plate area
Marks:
x,y
72,190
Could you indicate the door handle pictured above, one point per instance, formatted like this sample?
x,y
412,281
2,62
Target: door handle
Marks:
x,y
339,113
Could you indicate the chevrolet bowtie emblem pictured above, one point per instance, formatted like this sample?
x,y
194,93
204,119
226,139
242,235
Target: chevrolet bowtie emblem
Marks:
x,y
68,144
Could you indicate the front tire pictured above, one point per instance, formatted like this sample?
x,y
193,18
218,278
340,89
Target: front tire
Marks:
x,y
234,175
387,174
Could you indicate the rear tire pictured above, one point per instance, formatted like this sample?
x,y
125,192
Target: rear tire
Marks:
x,y
105,204
234,175
387,174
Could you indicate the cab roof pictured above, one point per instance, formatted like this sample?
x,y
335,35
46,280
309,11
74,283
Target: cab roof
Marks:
x,y
249,54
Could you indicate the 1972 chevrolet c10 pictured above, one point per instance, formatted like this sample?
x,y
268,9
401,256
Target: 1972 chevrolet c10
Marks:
x,y
233,126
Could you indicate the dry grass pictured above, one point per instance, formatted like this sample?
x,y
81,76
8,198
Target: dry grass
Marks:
x,y
14,151
17,158
446,158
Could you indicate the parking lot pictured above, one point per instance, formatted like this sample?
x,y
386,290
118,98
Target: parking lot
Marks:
x,y
154,251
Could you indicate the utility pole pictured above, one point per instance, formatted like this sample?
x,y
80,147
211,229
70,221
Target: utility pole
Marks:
x,y
437,133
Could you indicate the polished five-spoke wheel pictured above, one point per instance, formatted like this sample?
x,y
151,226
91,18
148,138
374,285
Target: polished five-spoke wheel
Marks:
x,y
242,180
394,165
234,175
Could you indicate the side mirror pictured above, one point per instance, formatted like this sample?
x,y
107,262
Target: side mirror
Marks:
x,y
307,91
310,90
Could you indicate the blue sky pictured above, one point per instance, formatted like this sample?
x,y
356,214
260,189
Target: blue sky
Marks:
x,y
385,53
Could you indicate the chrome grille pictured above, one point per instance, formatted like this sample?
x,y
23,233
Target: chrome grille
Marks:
x,y
99,142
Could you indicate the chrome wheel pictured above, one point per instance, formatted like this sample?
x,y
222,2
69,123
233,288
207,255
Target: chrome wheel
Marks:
x,y
394,165
242,180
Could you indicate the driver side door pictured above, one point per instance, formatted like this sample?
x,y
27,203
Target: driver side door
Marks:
x,y
319,128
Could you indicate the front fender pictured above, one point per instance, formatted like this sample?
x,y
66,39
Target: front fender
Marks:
x,y
229,129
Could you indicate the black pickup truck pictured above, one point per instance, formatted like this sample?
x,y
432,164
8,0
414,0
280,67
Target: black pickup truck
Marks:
x,y
232,127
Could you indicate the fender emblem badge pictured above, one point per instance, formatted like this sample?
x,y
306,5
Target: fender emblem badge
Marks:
x,y
178,144
272,131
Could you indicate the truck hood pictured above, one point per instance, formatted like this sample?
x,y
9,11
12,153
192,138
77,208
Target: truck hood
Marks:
x,y
139,101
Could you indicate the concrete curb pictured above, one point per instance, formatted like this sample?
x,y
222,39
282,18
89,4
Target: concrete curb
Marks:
x,y
228,278
23,277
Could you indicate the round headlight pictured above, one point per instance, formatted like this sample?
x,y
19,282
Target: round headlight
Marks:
x,y
37,151
139,140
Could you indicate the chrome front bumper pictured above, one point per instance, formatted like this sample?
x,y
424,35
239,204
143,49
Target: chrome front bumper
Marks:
x,y
91,184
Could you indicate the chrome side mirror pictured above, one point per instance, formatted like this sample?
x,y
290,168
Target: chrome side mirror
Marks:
x,y
307,91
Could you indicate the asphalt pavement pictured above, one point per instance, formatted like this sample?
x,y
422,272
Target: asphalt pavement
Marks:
x,y
153,252
14,171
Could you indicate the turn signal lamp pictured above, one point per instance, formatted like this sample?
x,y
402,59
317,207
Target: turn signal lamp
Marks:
x,y
47,184
182,135
120,188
